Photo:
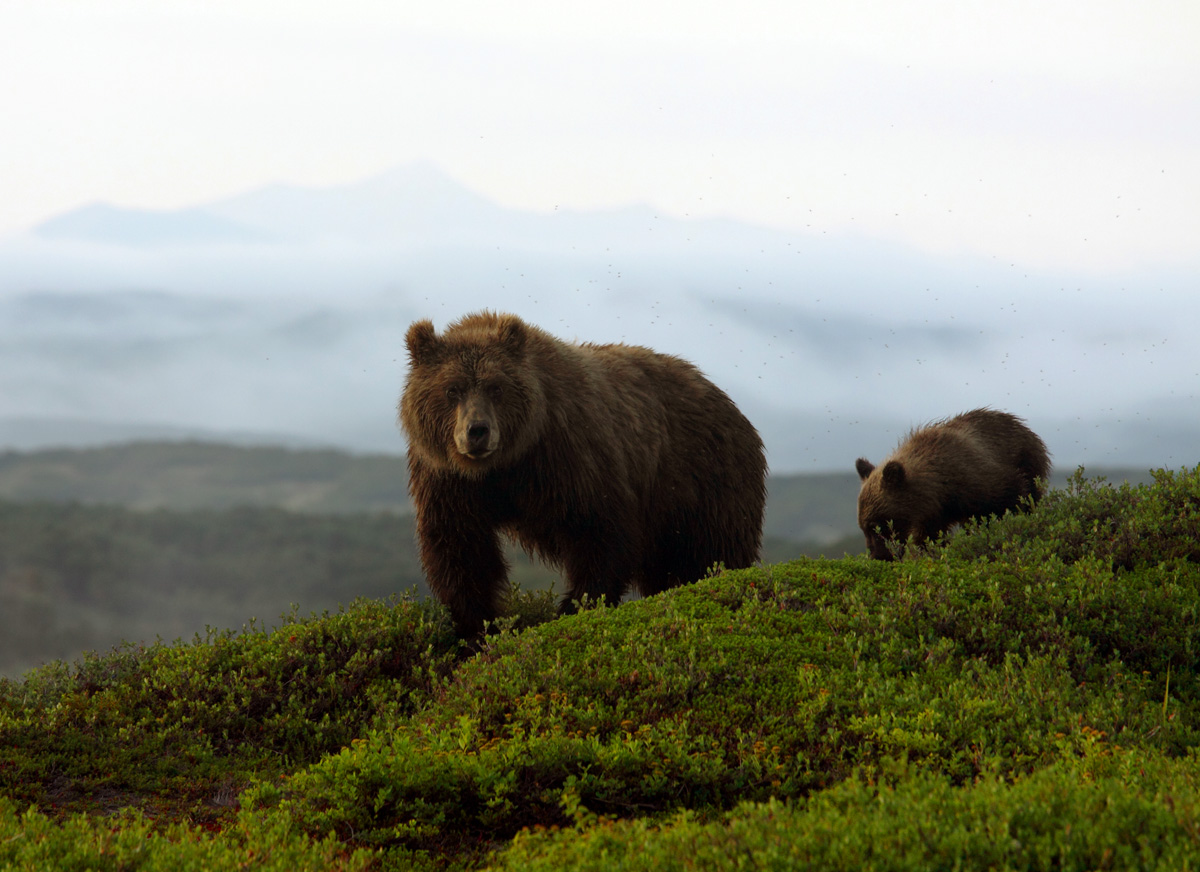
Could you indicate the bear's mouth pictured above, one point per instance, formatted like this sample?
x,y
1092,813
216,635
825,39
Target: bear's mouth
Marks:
x,y
479,454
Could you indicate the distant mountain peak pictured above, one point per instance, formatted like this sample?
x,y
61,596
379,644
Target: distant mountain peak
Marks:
x,y
417,174
424,182
411,203
410,206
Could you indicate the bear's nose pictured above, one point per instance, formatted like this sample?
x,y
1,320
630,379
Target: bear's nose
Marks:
x,y
477,436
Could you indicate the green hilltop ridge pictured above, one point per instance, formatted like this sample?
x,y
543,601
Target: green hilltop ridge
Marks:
x,y
1024,695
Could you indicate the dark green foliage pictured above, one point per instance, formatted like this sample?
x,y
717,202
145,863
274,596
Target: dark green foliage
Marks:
x,y
1123,811
132,842
1126,526
1024,696
144,725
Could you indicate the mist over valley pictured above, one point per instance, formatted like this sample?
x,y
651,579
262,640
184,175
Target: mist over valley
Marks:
x,y
278,316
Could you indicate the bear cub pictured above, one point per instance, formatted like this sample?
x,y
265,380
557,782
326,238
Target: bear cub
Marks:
x,y
976,464
619,465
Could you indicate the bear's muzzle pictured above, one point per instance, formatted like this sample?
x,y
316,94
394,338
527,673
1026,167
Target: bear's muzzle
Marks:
x,y
476,434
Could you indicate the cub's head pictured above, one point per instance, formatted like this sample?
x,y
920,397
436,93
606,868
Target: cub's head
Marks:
x,y
885,507
472,400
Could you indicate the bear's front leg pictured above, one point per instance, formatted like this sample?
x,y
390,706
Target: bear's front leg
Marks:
x,y
596,566
464,567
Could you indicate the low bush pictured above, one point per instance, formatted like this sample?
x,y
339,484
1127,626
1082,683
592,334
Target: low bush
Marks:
x,y
133,843
1124,811
187,724
1126,526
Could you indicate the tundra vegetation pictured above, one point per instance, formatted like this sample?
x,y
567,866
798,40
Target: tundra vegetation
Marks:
x,y
1021,695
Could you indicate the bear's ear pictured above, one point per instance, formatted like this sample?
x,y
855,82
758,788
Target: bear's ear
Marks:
x,y
422,342
864,467
512,334
893,474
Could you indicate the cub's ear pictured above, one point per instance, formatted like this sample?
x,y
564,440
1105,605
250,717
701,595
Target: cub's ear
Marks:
x,y
864,467
894,475
512,334
422,342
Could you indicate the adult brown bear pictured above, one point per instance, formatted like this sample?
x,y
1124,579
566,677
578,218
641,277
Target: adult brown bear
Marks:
x,y
976,464
617,464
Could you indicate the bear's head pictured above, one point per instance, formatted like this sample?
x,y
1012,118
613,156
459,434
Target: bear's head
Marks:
x,y
889,507
472,401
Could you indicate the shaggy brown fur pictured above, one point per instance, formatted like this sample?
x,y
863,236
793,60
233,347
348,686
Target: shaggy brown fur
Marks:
x,y
613,462
976,464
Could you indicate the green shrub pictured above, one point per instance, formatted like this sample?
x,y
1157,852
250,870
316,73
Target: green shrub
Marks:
x,y
1064,817
1125,526
132,843
189,720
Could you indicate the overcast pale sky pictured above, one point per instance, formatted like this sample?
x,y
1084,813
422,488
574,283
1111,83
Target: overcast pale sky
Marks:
x,y
1048,133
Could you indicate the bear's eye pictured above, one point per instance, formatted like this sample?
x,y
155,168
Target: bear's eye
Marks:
x,y
494,392
452,394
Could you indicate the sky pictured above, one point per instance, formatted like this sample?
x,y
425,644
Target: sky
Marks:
x,y
1049,134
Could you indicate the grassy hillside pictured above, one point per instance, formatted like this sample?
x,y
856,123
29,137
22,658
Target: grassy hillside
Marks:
x,y
1024,697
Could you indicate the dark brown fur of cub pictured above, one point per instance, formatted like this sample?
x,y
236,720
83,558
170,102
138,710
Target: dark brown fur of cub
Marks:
x,y
973,465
